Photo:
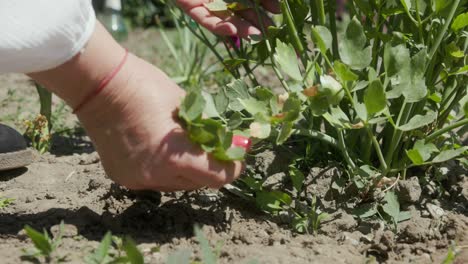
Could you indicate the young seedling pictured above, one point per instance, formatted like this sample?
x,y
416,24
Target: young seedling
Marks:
x,y
37,131
209,255
5,202
44,246
113,249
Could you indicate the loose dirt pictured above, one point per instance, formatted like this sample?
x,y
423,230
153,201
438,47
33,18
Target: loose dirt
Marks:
x,y
70,185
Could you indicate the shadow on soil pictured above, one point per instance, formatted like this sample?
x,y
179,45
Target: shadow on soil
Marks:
x,y
147,220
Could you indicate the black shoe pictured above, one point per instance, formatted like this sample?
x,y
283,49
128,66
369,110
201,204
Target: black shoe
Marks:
x,y
14,152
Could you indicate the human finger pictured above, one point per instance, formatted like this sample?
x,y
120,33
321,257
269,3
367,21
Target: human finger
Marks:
x,y
252,17
201,15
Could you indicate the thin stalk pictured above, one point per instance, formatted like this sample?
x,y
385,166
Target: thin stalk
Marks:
x,y
270,50
246,65
377,148
319,136
418,19
205,41
344,150
446,129
445,114
441,35
332,17
293,33
397,134
321,12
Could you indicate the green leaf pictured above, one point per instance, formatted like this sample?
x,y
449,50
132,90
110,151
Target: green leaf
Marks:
x,y
406,74
323,38
236,90
337,118
233,64
285,132
449,154
415,156
179,257
439,5
332,89
405,215
133,254
286,58
231,154
419,121
366,210
192,106
235,120
455,51
374,97
297,178
217,6
318,105
39,240
208,256
343,72
221,101
253,106
421,152
292,108
352,48
272,200
260,130
210,107
392,206
102,252
460,22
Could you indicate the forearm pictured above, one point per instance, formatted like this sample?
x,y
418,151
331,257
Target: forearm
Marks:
x,y
76,78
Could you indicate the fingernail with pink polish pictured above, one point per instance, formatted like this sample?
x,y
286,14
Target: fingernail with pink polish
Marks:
x,y
241,141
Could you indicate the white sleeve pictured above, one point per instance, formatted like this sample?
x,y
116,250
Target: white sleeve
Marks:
x,y
42,34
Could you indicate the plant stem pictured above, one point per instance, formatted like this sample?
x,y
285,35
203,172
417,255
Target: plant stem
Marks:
x,y
344,150
293,33
332,17
446,129
397,134
45,98
420,29
318,135
377,148
441,35
321,12
270,50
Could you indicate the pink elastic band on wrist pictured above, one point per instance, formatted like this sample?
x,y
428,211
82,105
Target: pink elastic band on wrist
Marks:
x,y
102,84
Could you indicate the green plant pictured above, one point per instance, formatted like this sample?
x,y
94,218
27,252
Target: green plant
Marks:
x,y
385,96
37,131
5,202
208,254
44,246
193,62
113,249
45,99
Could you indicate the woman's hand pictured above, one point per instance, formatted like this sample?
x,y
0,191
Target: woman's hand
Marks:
x,y
243,23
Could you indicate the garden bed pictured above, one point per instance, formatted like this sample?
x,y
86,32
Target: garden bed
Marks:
x,y
70,185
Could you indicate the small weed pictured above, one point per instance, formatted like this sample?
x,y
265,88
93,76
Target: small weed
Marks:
x,y
44,246
113,249
5,202
388,209
37,131
209,255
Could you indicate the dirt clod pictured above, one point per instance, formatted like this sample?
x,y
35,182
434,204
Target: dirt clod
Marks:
x,y
409,191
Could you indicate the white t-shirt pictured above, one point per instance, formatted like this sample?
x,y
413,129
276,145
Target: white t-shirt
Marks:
x,y
37,35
